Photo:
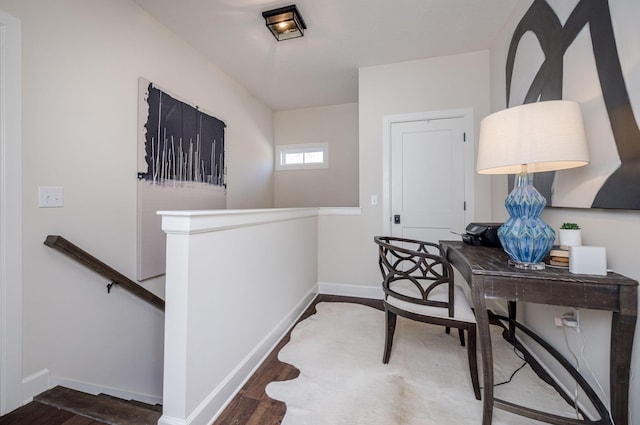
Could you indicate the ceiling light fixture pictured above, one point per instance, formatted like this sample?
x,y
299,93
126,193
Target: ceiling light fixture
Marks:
x,y
285,22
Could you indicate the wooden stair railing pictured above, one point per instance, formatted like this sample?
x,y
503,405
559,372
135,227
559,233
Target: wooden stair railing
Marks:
x,y
81,256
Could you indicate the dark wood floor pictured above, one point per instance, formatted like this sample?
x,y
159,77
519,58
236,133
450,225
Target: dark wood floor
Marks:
x,y
64,406
251,406
36,413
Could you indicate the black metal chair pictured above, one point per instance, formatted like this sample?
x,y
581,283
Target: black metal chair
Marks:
x,y
418,284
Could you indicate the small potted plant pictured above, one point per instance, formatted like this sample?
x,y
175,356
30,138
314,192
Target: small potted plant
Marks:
x,y
570,235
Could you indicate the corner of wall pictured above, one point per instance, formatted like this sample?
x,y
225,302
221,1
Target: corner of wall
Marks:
x,y
35,384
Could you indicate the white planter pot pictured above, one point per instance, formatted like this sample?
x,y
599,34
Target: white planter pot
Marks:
x,y
570,237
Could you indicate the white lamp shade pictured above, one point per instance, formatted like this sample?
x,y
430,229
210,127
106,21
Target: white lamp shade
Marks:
x,y
544,136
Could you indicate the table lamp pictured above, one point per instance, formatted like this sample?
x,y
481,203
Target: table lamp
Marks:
x,y
535,137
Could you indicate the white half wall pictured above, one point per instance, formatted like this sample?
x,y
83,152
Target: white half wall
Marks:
x,y
236,281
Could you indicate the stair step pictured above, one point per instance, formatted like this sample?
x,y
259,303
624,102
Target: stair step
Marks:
x,y
154,407
108,409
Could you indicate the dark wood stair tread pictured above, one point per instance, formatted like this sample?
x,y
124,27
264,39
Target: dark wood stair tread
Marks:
x,y
154,407
108,409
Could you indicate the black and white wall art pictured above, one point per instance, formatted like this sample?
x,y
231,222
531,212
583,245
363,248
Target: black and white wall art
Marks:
x,y
182,143
181,166
581,50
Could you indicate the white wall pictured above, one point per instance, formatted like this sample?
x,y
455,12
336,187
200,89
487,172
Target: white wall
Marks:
x,y
236,281
615,230
347,251
81,64
336,186
10,214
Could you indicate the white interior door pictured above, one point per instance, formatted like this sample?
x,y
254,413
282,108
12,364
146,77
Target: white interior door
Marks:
x,y
428,179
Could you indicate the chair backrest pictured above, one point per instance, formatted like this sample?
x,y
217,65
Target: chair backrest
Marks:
x,y
421,263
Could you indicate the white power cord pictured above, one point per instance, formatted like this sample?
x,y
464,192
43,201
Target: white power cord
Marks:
x,y
631,377
586,363
575,391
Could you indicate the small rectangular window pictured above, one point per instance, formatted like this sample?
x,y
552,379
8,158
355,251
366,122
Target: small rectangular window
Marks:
x,y
303,156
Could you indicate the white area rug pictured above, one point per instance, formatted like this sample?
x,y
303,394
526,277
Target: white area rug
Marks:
x,y
343,381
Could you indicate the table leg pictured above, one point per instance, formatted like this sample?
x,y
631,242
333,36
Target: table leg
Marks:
x,y
622,331
512,306
484,336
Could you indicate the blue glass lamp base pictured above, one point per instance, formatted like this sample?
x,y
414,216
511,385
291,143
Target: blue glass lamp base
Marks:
x,y
525,237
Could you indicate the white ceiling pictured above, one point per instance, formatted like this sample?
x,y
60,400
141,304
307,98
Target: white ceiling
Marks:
x,y
321,68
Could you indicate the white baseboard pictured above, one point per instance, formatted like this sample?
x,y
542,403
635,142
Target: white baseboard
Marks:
x,y
42,381
347,290
167,420
213,405
91,388
35,384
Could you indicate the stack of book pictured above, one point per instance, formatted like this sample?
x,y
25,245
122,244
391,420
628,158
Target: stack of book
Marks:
x,y
559,256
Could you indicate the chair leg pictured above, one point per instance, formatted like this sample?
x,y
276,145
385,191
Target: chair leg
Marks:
x,y
447,330
461,333
388,342
473,361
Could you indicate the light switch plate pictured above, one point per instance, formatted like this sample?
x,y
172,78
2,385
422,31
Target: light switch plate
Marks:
x,y
50,197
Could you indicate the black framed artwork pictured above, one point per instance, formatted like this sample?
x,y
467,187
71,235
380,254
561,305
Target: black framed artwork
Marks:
x,y
181,166
568,50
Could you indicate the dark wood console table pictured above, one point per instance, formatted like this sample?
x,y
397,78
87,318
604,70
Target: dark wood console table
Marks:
x,y
490,277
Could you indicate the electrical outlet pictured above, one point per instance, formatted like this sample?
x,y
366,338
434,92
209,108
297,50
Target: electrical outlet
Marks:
x,y
570,319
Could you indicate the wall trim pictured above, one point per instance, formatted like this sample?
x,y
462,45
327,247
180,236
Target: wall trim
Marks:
x,y
35,384
203,221
10,214
167,420
91,388
340,211
348,290
42,380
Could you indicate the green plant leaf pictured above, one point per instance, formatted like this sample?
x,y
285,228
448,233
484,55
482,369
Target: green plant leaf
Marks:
x,y
570,226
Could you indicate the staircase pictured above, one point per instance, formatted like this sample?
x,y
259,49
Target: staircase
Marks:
x,y
104,408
